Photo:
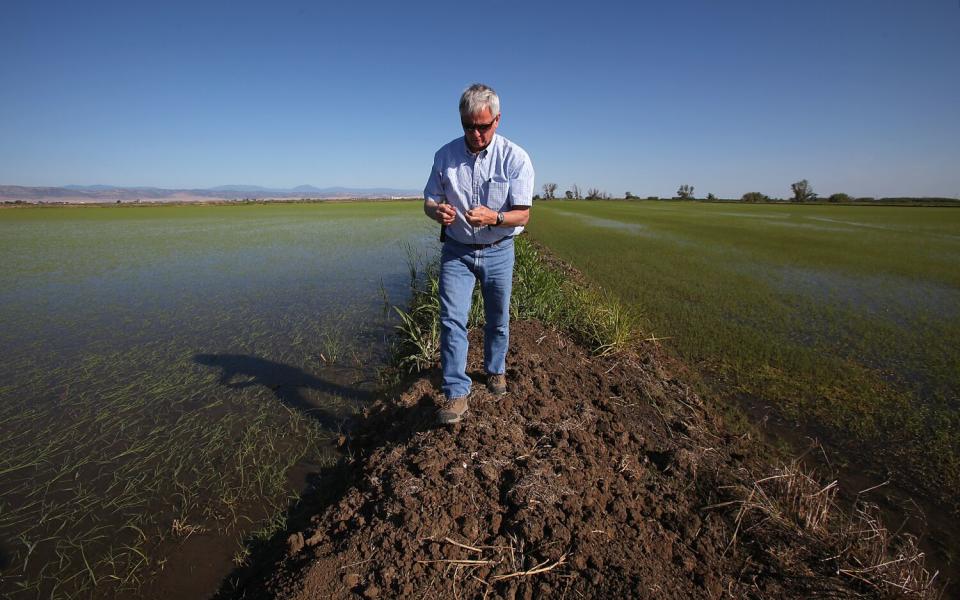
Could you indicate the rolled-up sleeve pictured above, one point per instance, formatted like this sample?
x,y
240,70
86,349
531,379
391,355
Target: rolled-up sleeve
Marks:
x,y
521,182
434,188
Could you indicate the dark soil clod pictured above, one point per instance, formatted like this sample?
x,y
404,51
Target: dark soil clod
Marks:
x,y
572,485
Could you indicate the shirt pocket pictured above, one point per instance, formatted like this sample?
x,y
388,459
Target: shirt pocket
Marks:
x,y
498,191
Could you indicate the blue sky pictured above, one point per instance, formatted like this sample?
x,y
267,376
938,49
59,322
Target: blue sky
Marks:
x,y
855,96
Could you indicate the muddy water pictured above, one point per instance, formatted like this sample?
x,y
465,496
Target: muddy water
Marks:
x,y
159,366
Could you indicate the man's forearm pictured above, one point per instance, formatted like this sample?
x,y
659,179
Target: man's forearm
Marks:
x,y
518,217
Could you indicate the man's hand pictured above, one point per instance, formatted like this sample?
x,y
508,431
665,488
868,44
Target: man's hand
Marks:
x,y
445,214
479,216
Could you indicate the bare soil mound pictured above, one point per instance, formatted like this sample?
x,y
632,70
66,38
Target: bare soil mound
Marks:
x,y
591,478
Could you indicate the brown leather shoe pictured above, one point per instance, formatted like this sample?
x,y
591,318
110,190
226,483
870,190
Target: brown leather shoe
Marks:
x,y
452,410
497,384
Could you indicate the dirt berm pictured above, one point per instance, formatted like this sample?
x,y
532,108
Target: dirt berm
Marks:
x,y
592,478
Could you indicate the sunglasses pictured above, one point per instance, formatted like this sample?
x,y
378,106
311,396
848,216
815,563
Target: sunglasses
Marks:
x,y
479,127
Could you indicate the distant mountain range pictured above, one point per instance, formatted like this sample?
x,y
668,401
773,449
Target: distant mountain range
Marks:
x,y
110,193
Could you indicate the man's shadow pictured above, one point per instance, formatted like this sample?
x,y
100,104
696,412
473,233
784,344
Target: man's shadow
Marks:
x,y
286,382
6,557
390,423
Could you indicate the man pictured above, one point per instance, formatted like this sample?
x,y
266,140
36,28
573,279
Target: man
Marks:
x,y
480,190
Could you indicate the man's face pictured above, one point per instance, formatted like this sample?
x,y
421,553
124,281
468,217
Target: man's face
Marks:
x,y
478,129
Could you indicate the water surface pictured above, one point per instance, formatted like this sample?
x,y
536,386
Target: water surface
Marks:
x,y
165,369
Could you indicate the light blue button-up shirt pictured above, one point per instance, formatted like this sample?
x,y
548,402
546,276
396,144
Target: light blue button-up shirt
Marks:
x,y
499,177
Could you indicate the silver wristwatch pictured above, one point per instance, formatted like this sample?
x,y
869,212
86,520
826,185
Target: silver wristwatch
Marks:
x,y
499,219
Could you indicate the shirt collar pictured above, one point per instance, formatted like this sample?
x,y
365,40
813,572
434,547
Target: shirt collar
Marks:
x,y
483,153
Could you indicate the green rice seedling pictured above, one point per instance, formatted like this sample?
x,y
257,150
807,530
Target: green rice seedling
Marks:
x,y
844,318
241,557
107,420
333,344
414,259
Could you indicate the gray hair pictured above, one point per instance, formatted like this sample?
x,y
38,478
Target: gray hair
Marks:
x,y
478,97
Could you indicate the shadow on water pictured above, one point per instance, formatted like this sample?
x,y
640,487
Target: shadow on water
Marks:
x,y
395,424
198,565
287,383
6,558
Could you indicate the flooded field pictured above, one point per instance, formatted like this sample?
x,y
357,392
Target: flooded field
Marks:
x,y
170,374
841,322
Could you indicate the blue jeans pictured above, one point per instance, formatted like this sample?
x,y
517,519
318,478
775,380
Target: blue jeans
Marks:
x,y
460,267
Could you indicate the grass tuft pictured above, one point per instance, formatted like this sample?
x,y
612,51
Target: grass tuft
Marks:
x,y
540,291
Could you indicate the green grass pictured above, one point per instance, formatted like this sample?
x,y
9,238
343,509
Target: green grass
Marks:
x,y
540,291
843,317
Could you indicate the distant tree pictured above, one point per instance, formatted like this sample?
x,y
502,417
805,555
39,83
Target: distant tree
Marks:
x,y
653,197
549,191
840,197
866,199
628,196
576,192
802,191
754,197
711,197
685,192
593,194
537,197
568,194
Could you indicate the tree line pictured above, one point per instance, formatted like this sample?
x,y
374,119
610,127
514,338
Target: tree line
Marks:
x,y
801,191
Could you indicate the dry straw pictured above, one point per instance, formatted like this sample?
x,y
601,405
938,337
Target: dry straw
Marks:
x,y
791,501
